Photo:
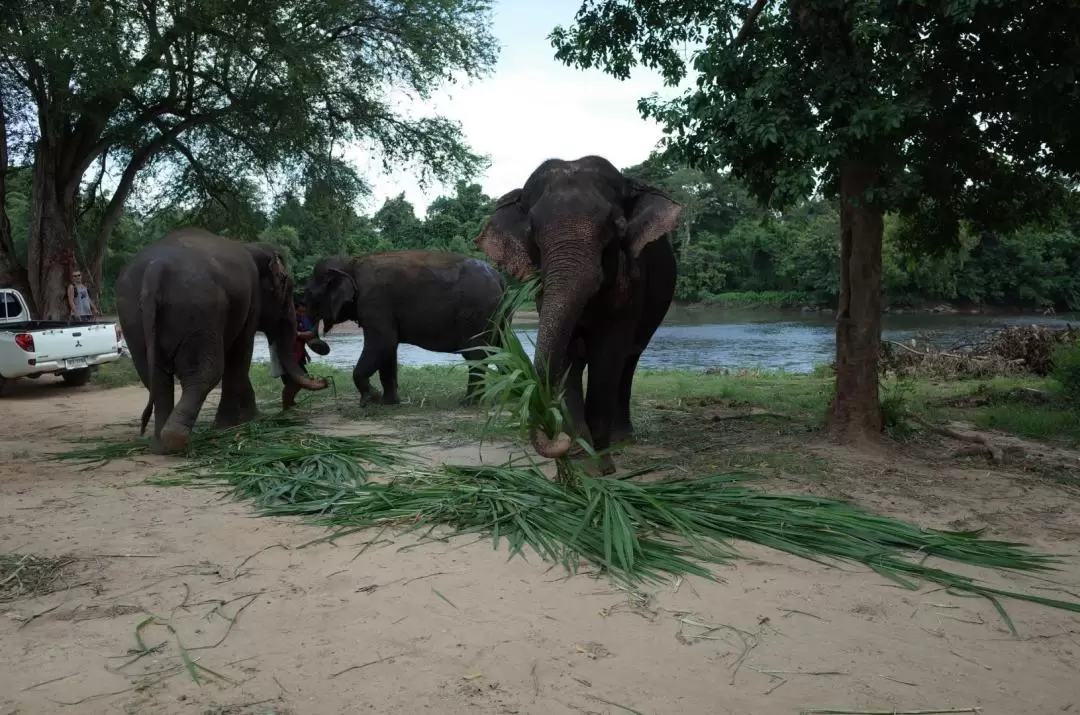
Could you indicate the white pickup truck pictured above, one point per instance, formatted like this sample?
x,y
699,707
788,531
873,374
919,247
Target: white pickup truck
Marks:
x,y
32,348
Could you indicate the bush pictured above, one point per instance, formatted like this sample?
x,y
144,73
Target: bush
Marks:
x,y
1066,362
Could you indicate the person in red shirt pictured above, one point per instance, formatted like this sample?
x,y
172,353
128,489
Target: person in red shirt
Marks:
x,y
305,333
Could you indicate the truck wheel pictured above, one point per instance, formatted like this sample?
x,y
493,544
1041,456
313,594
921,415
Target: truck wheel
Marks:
x,y
76,378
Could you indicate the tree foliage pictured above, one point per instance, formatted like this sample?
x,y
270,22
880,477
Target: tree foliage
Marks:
x,y
731,250
947,112
212,97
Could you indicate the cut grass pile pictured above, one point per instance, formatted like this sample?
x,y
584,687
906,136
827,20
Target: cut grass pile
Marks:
x,y
636,531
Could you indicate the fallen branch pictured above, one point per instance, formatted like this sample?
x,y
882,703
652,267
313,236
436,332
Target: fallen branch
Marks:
x,y
997,455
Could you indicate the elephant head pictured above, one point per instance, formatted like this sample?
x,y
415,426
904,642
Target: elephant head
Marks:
x,y
331,293
277,316
583,225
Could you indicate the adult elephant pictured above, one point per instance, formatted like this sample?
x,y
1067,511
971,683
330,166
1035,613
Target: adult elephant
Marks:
x,y
435,300
601,241
189,306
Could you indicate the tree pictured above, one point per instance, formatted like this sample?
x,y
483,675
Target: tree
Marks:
x,y
937,110
209,94
397,224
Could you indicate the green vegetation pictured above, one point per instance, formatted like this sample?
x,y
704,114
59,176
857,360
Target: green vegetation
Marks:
x,y
1066,368
208,101
674,408
885,107
732,256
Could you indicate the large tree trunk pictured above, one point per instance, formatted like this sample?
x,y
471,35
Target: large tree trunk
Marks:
x,y
51,249
855,413
12,274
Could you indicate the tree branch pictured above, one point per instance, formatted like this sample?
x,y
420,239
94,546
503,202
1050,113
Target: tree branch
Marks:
x,y
139,159
94,186
748,24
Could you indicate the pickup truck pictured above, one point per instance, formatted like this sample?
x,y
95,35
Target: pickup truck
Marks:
x,y
32,348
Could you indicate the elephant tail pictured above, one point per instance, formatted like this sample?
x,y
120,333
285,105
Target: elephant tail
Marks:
x,y
148,300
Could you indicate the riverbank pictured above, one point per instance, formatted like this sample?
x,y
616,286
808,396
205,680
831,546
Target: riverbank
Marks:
x,y
273,614
806,303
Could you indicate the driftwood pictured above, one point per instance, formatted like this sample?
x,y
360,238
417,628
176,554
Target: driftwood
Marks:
x,y
1012,350
997,454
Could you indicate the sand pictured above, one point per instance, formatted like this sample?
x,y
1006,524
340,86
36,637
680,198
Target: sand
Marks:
x,y
360,627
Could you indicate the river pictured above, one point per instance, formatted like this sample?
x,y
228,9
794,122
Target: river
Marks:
x,y
704,338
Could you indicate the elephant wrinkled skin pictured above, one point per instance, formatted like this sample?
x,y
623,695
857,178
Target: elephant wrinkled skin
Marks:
x,y
189,306
601,241
435,300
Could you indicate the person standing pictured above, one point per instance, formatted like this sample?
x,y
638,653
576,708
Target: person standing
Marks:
x,y
80,307
304,334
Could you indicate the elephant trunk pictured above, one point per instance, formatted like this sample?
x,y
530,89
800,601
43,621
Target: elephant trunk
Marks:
x,y
567,289
282,345
288,362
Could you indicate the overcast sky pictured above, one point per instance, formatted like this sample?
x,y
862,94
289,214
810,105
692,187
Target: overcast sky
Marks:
x,y
533,108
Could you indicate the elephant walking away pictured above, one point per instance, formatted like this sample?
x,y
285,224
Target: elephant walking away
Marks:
x,y
601,241
189,306
435,300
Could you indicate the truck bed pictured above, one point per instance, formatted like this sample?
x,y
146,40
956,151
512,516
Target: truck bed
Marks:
x,y
29,326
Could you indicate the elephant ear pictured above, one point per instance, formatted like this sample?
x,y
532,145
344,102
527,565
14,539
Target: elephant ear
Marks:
x,y
505,236
652,214
341,289
279,279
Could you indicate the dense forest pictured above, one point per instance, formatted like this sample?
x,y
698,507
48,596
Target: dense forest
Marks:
x,y
730,249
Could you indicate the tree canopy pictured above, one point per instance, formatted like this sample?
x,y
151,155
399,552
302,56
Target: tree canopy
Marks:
x,y
945,112
212,97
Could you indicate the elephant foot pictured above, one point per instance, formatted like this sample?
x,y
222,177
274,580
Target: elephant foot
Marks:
x,y
172,440
471,399
622,433
600,466
232,420
374,397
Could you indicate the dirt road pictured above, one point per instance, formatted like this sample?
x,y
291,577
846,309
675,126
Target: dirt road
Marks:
x,y
365,627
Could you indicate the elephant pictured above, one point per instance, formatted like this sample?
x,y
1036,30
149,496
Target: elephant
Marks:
x,y
189,306
601,241
436,300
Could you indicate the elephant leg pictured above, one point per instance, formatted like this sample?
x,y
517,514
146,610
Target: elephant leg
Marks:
x,y
289,391
388,377
475,385
237,404
164,397
366,366
379,346
623,428
199,371
607,357
574,397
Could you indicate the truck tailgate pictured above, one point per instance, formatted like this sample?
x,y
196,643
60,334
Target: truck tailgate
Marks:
x,y
74,342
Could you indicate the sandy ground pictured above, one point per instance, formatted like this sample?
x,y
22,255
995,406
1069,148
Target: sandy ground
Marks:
x,y
365,627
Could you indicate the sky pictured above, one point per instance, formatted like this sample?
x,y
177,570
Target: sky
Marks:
x,y
531,108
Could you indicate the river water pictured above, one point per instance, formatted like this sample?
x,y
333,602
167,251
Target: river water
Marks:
x,y
704,338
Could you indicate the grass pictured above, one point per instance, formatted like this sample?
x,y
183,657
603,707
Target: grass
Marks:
x,y
672,408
